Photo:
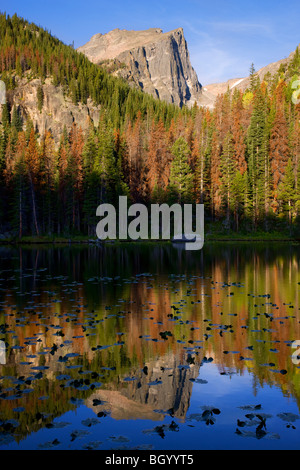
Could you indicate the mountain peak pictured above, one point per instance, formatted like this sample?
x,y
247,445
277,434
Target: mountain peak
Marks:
x,y
150,59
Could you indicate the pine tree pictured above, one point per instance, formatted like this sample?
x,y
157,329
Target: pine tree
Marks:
x,y
238,196
279,147
16,120
200,169
40,98
181,178
286,191
157,159
74,176
5,117
228,170
238,133
105,163
258,162
215,174
253,78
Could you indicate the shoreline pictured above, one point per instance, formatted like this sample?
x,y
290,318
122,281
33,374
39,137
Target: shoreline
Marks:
x,y
97,242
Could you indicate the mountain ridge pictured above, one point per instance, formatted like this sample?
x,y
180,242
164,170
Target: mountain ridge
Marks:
x,y
243,83
128,54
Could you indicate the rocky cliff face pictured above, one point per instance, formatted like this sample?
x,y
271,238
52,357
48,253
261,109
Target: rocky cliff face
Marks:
x,y
57,110
156,62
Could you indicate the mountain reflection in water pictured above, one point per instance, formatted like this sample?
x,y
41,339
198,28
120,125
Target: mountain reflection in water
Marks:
x,y
139,332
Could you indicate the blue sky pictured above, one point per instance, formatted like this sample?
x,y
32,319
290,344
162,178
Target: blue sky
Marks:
x,y
224,37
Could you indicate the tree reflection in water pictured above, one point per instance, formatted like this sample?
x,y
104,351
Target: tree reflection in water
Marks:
x,y
130,330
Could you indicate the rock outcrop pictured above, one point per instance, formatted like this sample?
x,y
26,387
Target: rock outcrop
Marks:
x,y
57,110
157,62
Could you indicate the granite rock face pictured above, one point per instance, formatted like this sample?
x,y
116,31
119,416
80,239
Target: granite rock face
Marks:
x,y
154,61
57,110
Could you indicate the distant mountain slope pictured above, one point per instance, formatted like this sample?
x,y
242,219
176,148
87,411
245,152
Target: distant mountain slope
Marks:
x,y
215,89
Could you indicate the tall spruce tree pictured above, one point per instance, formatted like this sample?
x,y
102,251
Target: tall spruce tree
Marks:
x,y
181,178
258,162
286,192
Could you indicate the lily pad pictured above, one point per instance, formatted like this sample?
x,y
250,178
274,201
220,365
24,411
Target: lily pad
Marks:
x,y
90,422
289,417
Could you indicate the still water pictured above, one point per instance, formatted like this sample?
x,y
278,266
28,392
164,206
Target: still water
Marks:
x,y
146,346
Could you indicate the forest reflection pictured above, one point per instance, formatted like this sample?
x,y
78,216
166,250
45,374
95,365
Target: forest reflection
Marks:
x,y
127,328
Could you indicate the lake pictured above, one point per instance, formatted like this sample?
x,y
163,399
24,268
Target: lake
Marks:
x,y
146,346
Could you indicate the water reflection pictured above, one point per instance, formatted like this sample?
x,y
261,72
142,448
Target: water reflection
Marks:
x,y
127,330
